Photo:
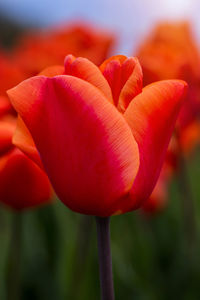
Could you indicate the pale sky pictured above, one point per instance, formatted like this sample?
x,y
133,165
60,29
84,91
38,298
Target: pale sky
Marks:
x,y
130,19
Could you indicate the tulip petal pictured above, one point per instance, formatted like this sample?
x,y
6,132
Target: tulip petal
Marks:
x,y
22,183
151,116
69,59
86,70
23,140
111,69
131,82
86,146
124,76
119,58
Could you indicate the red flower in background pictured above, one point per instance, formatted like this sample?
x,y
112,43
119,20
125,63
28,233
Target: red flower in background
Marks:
x,y
170,52
37,51
10,75
22,183
101,137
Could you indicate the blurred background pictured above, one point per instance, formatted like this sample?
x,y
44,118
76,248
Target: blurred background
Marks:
x,y
156,249
131,20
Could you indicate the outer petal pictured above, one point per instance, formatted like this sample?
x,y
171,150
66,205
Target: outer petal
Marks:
x,y
22,183
83,68
24,141
85,144
151,116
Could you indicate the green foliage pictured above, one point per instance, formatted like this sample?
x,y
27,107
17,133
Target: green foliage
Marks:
x,y
153,256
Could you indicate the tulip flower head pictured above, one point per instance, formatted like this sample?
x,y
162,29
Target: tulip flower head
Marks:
x,y
99,135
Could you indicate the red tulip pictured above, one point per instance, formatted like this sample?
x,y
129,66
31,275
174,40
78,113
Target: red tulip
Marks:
x,y
101,138
22,183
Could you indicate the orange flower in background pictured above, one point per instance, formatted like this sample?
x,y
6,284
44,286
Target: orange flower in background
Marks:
x,y
37,51
171,48
98,133
170,52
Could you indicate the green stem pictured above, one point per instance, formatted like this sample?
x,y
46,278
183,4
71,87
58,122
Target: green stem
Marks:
x,y
105,259
14,259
